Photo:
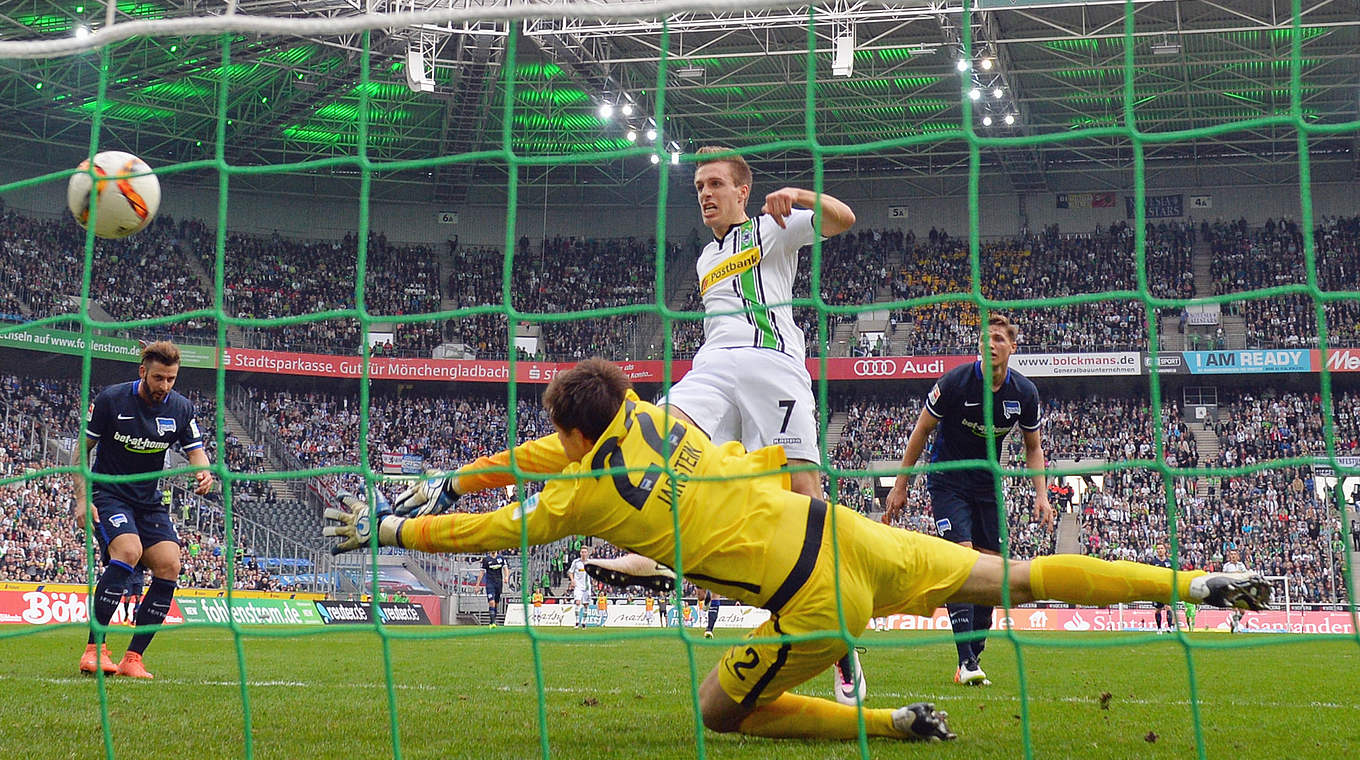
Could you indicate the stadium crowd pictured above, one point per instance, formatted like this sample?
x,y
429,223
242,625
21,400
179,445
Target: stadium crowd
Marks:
x,y
1248,258
167,269
1046,265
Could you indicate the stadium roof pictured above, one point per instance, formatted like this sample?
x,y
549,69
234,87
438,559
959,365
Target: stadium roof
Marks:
x,y
734,77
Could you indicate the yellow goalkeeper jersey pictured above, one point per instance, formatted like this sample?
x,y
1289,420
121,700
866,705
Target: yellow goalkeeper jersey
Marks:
x,y
741,530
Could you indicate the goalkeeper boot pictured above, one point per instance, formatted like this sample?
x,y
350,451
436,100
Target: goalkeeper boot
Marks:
x,y
970,673
632,570
1243,591
923,722
97,656
132,667
848,679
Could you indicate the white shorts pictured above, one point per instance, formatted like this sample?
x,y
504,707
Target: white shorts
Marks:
x,y
758,396
582,598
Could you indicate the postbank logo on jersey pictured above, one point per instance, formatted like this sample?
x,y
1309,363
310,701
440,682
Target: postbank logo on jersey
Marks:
x,y
730,267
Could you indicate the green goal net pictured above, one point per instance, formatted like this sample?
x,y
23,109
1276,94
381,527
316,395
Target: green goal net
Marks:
x,y
523,136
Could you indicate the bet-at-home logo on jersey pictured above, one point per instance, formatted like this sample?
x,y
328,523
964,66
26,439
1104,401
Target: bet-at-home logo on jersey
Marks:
x,y
140,445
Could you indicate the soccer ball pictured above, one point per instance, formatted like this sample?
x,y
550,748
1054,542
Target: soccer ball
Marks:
x,y
125,205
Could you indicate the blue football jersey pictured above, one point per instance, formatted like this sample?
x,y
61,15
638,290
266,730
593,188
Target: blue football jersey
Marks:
x,y
956,401
133,437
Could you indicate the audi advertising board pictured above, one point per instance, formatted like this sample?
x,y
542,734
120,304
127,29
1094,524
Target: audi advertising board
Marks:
x,y
890,367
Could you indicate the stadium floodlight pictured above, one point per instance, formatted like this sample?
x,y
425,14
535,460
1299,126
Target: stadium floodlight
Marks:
x,y
986,64
962,64
419,76
690,72
843,56
606,111
986,121
632,136
82,32
1166,47
651,134
974,94
998,92
1010,119
627,109
656,159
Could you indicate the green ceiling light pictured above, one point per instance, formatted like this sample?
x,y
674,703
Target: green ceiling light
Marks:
x,y
913,83
1076,45
385,90
290,56
559,96
80,9
181,90
38,86
730,91
894,54
126,111
46,23
1285,36
543,71
174,48
141,10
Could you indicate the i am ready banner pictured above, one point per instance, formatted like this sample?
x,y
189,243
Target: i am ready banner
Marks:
x,y
1248,362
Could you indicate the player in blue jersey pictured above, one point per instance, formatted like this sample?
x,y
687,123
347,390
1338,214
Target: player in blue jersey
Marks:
x,y
129,427
1161,560
963,502
493,574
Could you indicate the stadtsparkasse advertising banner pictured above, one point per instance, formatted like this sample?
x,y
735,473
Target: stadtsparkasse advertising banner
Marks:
x,y
486,371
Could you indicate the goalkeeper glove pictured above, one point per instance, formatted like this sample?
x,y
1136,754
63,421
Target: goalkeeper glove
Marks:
x,y
357,521
431,495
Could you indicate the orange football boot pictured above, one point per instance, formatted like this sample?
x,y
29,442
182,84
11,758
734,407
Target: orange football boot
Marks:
x,y
132,666
97,656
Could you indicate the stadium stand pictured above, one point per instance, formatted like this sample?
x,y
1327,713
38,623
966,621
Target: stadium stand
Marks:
x,y
1247,258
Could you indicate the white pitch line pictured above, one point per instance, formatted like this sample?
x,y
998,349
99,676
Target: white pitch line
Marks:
x,y
307,684
973,696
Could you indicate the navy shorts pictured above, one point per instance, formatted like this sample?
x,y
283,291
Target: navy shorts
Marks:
x,y
117,518
493,592
965,514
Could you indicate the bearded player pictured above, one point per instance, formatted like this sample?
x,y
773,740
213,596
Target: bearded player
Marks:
x,y
130,426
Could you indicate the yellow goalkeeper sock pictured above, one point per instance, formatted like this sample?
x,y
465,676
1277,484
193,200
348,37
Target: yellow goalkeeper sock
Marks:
x,y
794,715
1087,580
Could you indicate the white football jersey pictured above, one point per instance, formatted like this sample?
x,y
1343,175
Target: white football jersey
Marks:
x,y
746,281
580,580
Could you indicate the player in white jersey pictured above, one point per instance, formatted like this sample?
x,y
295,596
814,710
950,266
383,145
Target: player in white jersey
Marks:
x,y
749,381
580,586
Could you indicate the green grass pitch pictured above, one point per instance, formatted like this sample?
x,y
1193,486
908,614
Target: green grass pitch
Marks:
x,y
609,694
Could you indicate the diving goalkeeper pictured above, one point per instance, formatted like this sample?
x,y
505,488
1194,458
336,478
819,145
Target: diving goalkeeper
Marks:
x,y
767,547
